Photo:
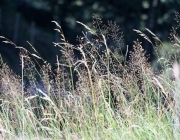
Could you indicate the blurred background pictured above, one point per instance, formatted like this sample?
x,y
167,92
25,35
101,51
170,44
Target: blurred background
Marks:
x,y
30,20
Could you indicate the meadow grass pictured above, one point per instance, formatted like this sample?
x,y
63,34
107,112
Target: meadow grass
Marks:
x,y
115,96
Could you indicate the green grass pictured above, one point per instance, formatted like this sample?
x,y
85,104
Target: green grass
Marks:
x,y
113,98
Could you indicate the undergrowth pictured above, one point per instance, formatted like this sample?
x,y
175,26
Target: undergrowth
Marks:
x,y
112,98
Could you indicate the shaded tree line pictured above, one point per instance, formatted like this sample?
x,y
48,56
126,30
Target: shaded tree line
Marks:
x,y
30,20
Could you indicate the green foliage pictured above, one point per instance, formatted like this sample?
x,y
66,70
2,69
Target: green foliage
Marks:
x,y
114,98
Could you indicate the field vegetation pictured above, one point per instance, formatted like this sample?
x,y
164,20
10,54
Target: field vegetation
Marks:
x,y
106,94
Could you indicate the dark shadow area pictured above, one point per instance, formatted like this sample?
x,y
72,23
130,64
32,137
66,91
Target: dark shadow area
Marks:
x,y
30,20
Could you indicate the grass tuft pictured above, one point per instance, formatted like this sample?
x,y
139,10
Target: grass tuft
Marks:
x,y
112,98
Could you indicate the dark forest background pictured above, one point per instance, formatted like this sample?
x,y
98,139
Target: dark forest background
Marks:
x,y
30,20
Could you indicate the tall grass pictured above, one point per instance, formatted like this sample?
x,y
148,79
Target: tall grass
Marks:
x,y
113,98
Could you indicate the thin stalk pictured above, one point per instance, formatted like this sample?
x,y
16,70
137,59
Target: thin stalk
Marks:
x,y
89,75
108,67
176,124
71,73
22,89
